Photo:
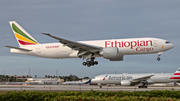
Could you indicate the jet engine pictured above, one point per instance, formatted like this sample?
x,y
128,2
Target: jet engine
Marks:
x,y
111,53
125,83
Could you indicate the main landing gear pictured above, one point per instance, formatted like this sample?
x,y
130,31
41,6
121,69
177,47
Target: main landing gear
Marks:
x,y
90,63
143,85
159,54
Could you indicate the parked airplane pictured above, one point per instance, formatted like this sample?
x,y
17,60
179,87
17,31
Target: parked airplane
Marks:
x,y
76,82
137,79
112,49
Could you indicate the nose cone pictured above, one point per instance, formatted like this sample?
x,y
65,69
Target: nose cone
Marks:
x,y
170,46
95,80
92,80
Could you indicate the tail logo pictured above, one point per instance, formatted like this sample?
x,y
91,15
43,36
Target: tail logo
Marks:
x,y
22,38
105,77
176,75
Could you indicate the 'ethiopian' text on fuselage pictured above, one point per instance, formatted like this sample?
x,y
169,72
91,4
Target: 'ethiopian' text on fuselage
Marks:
x,y
128,43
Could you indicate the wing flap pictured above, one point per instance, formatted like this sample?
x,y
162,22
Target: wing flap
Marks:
x,y
75,45
22,49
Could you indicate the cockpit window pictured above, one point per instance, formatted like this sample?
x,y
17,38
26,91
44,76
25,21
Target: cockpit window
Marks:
x,y
168,42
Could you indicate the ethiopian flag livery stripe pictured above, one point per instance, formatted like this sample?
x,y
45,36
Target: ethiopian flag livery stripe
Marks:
x,y
22,38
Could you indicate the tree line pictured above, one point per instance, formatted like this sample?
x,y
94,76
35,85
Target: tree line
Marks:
x,y
67,78
7,78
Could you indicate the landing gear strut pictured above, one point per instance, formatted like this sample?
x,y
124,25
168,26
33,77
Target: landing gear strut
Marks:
x,y
100,86
90,63
159,54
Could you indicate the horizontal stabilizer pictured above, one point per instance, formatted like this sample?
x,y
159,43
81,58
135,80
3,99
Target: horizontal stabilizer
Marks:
x,y
22,49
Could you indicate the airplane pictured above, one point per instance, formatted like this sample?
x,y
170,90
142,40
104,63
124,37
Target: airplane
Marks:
x,y
112,49
136,79
76,82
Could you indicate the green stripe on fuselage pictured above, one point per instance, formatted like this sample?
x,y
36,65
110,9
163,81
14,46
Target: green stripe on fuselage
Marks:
x,y
17,30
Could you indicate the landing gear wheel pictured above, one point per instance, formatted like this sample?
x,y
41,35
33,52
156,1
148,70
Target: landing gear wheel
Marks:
x,y
84,63
95,62
88,65
142,86
88,62
100,86
92,63
158,58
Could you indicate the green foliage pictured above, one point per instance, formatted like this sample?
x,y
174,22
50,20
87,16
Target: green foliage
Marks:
x,y
154,95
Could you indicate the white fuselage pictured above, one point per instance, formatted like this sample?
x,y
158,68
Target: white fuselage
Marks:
x,y
125,46
117,78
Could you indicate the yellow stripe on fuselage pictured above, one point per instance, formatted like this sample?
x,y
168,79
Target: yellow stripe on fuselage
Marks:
x,y
23,38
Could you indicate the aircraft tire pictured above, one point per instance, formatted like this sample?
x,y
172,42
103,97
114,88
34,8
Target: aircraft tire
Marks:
x,y
92,63
158,58
88,64
142,86
84,63
95,62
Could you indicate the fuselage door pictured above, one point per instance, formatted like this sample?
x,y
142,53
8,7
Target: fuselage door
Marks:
x,y
155,43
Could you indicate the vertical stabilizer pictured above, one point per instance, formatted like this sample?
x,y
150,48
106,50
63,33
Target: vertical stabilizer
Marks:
x,y
176,74
23,38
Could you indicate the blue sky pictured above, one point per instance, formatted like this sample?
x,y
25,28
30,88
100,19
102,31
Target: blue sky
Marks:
x,y
79,20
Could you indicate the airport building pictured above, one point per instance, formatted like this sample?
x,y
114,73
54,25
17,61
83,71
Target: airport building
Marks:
x,y
46,81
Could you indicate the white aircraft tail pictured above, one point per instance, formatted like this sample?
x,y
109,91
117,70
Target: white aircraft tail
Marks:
x,y
22,37
176,74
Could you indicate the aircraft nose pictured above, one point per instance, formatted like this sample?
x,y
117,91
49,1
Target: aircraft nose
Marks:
x,y
171,46
168,45
92,80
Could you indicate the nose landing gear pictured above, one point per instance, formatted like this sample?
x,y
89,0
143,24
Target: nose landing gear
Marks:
x,y
159,54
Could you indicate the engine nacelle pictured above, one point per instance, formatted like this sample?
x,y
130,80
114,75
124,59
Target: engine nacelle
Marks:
x,y
111,53
126,83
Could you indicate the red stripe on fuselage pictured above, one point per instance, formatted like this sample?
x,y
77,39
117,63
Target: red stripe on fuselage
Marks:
x,y
175,78
25,43
176,73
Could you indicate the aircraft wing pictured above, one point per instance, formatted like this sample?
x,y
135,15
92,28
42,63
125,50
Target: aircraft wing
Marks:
x,y
22,49
142,78
76,45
